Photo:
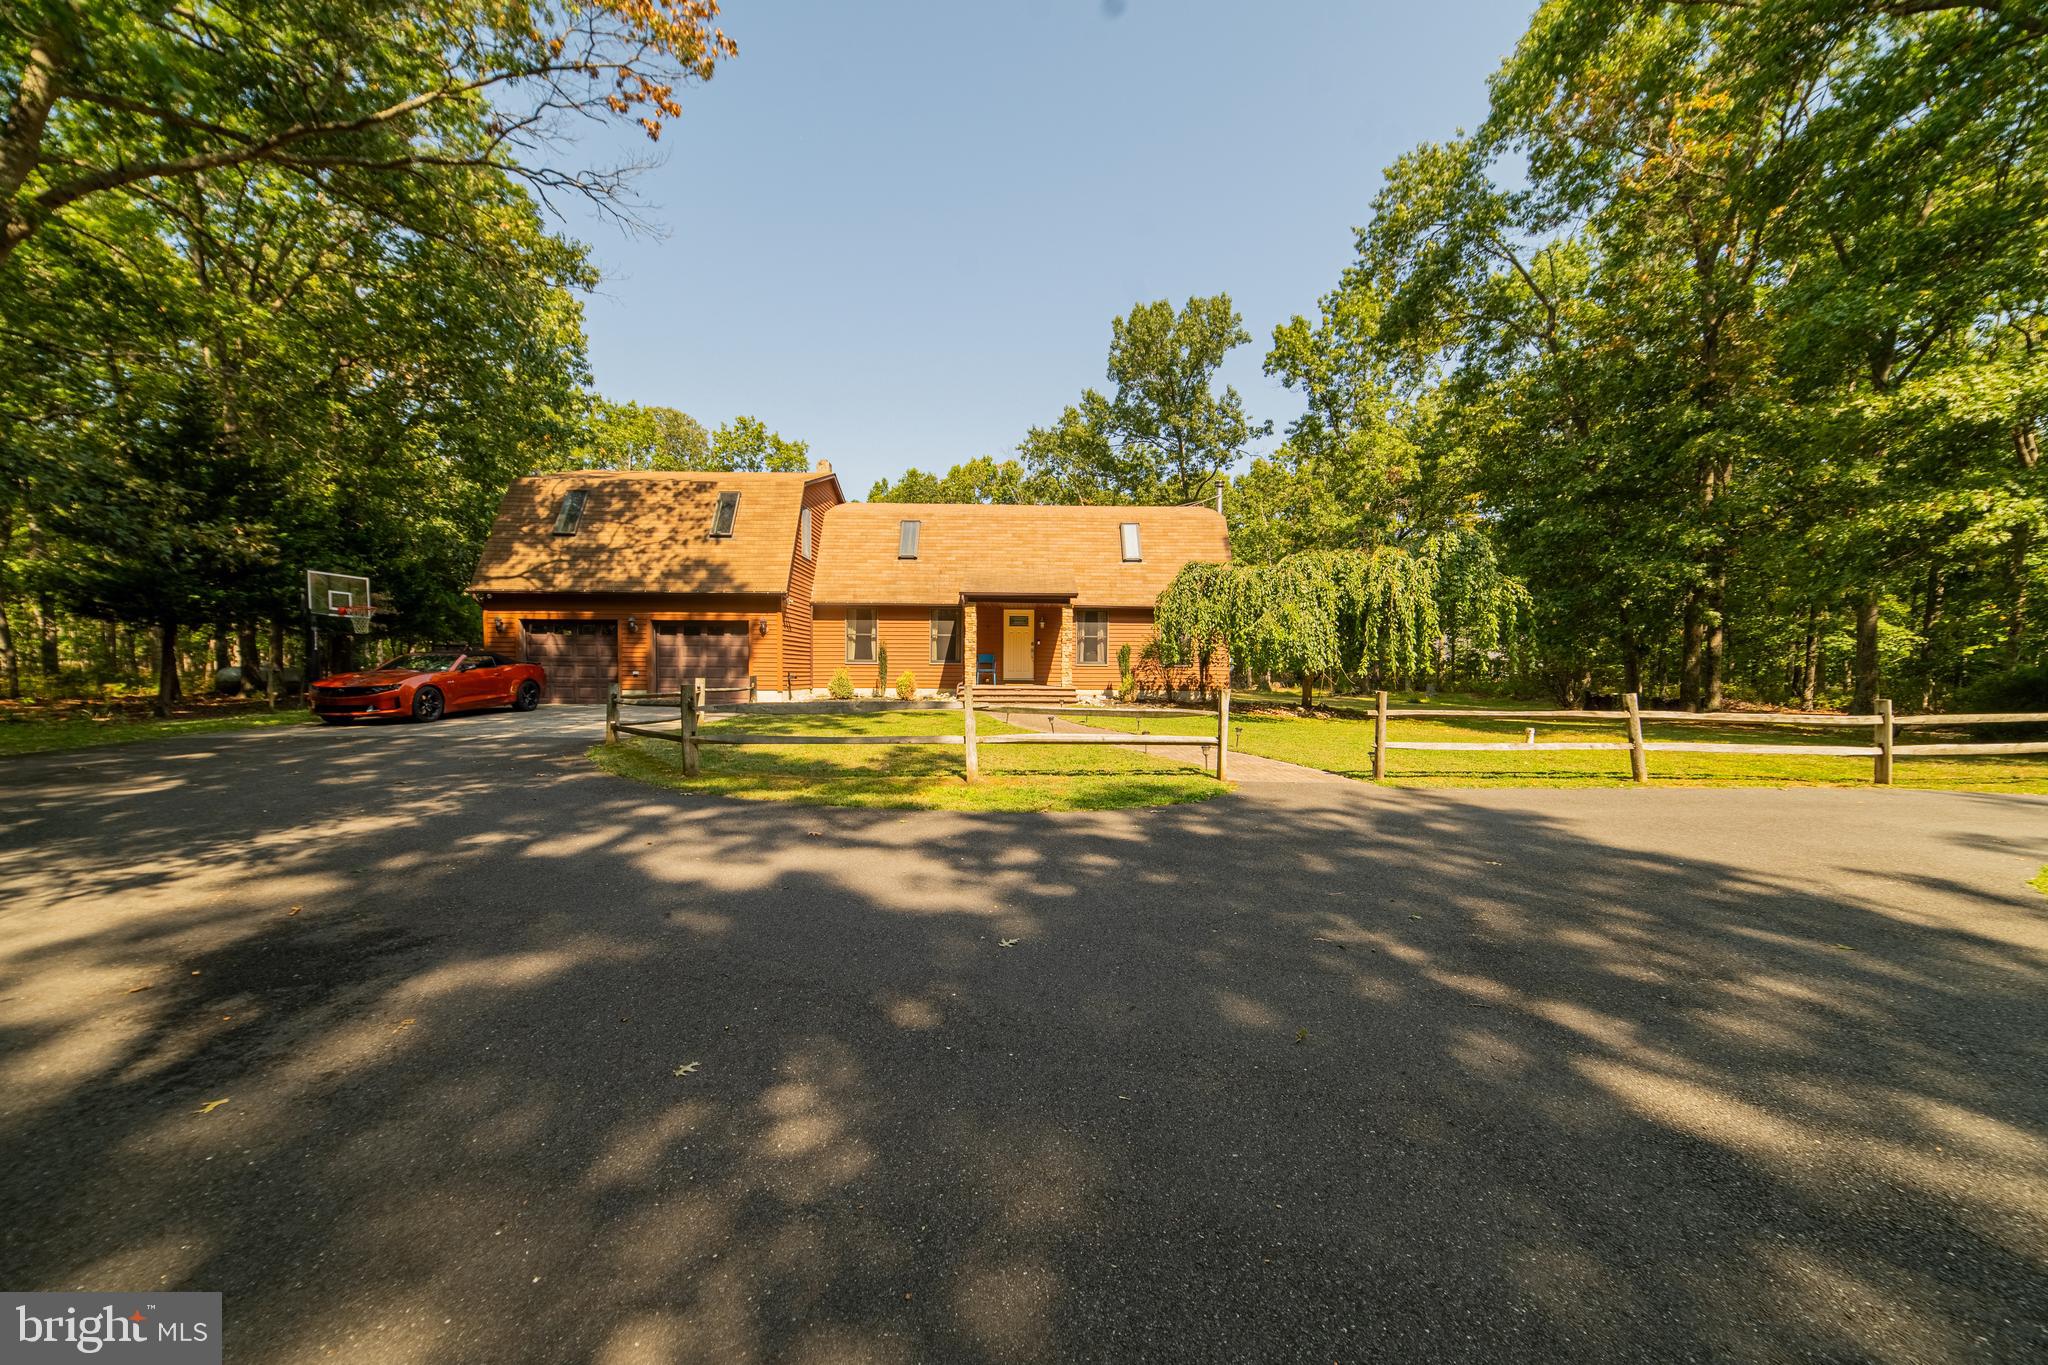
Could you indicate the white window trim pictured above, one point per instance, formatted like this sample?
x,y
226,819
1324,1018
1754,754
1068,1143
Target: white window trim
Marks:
x,y
1128,537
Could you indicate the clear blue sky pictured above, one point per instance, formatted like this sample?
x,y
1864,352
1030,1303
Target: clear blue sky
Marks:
x,y
899,230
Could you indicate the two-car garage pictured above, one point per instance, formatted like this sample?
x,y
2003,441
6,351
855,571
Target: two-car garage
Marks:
x,y
581,656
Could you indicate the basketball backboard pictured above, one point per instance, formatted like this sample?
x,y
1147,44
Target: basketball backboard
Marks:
x,y
336,594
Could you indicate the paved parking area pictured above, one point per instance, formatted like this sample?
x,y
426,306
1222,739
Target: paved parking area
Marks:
x,y
1326,1074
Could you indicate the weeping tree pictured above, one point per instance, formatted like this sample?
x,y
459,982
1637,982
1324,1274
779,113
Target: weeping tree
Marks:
x,y
1393,613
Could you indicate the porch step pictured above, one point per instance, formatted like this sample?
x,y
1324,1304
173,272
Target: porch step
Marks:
x,y
1016,694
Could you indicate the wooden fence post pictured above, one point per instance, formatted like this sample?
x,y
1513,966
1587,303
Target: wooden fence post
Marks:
x,y
1223,734
693,699
1379,738
611,716
1881,770
1638,756
967,722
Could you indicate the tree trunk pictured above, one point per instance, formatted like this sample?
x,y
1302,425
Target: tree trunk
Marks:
x,y
1307,694
250,662
1694,640
1716,646
1631,657
1930,616
46,635
10,665
2027,447
166,667
1809,676
1865,700
271,681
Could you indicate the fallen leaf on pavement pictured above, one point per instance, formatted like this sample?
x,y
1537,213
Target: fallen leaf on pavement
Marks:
x,y
295,909
686,1068
209,1106
143,987
1006,943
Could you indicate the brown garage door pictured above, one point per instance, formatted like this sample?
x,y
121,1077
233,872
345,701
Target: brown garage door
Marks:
x,y
581,657
715,651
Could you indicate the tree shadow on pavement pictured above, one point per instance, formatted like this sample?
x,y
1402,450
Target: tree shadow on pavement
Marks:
x,y
1328,1074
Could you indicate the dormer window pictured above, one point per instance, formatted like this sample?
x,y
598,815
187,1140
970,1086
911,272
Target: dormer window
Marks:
x,y
571,511
728,510
1132,554
906,538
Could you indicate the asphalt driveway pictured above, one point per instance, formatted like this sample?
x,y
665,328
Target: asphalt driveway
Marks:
x,y
1317,1073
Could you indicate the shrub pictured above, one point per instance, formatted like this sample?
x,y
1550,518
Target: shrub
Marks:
x,y
1126,681
906,684
2016,689
841,686
881,667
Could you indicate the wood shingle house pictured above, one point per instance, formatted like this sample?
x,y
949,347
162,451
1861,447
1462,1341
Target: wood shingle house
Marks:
x,y
647,579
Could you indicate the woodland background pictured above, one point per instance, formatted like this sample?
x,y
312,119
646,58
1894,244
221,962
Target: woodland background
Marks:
x,y
1712,366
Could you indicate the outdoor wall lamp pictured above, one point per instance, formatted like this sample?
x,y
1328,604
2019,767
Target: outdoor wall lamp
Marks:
x,y
632,625
501,623
761,626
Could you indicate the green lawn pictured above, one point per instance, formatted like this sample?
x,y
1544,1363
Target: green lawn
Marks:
x,y
1340,741
914,777
41,727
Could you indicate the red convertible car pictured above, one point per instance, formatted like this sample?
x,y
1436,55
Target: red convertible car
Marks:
x,y
430,685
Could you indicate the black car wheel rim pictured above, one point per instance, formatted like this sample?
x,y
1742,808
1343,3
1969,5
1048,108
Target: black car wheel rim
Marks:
x,y
429,705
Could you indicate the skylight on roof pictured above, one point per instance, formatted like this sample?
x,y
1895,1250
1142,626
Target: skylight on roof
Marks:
x,y
571,511
728,511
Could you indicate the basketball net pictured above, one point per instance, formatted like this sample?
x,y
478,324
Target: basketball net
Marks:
x,y
358,618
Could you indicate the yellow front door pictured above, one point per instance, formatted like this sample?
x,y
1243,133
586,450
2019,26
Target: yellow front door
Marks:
x,y
1017,646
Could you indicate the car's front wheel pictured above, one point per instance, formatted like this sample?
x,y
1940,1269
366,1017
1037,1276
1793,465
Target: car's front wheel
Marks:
x,y
428,704
527,697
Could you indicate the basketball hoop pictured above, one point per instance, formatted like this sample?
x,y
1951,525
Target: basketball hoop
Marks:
x,y
358,618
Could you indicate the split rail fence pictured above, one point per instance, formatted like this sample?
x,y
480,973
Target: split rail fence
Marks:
x,y
693,714
1883,725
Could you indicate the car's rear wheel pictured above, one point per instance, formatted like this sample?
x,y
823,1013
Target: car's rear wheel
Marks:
x,y
527,697
428,704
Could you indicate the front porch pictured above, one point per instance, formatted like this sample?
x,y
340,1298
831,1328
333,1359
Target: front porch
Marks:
x,y
1019,643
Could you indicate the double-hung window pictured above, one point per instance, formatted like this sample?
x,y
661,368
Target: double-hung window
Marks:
x,y
860,635
1094,628
946,635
